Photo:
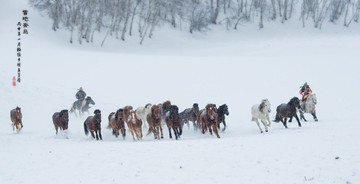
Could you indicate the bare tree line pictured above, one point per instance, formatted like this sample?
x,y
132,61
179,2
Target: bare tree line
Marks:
x,y
122,18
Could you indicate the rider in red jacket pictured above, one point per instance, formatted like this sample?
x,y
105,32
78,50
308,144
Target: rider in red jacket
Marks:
x,y
305,91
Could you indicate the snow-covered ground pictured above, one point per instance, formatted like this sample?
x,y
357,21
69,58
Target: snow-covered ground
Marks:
x,y
238,68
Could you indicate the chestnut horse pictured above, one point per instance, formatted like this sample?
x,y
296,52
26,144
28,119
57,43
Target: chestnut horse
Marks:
x,y
208,119
173,121
154,121
222,111
61,120
93,124
191,114
127,110
117,122
135,126
288,110
16,116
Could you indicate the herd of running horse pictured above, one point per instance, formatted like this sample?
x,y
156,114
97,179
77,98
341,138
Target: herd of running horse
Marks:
x,y
154,117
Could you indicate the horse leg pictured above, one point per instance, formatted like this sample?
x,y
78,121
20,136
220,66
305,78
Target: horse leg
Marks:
x,y
176,133
100,134
264,123
284,122
161,130
97,136
123,132
258,124
224,126
132,133
268,119
297,119
290,120
302,115
216,131
314,115
56,128
210,130
92,133
170,133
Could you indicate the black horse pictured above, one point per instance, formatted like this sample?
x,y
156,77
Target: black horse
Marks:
x,y
222,111
288,110
82,106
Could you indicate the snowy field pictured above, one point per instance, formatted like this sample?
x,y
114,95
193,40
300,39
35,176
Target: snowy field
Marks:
x,y
237,68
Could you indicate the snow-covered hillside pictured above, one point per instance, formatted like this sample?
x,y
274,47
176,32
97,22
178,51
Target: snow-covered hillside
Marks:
x,y
238,68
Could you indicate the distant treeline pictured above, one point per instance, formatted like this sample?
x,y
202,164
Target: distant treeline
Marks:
x,y
121,18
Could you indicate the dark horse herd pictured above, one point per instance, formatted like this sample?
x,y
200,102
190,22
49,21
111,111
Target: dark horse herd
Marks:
x,y
157,116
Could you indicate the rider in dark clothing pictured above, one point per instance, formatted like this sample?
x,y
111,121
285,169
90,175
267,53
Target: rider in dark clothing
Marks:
x,y
80,95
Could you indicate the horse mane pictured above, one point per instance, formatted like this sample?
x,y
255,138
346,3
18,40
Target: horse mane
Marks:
x,y
117,113
97,111
262,106
63,112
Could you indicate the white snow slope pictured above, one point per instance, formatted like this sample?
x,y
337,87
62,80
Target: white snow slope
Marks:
x,y
238,68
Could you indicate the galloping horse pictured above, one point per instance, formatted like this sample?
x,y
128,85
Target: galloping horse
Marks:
x,y
135,126
117,122
61,120
261,111
191,114
173,121
154,120
93,124
222,111
288,110
82,107
15,116
142,112
309,107
208,119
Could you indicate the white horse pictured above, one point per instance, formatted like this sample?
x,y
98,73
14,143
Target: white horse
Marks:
x,y
142,112
309,107
261,112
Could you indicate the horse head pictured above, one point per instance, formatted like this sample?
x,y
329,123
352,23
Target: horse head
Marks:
x,y
64,114
18,113
211,111
89,100
295,102
174,109
120,114
265,105
97,113
155,111
224,108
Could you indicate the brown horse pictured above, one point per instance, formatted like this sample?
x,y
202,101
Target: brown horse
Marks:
x,y
191,114
154,121
117,122
16,116
127,110
208,119
222,111
61,120
288,110
134,125
93,124
164,108
173,121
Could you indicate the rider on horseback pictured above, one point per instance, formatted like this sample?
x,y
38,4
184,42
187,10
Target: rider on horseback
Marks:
x,y
80,95
305,92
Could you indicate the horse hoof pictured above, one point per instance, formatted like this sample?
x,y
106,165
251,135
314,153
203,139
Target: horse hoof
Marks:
x,y
261,132
266,130
316,120
162,137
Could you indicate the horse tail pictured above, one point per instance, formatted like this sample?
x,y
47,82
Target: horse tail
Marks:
x,y
86,129
253,119
277,118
